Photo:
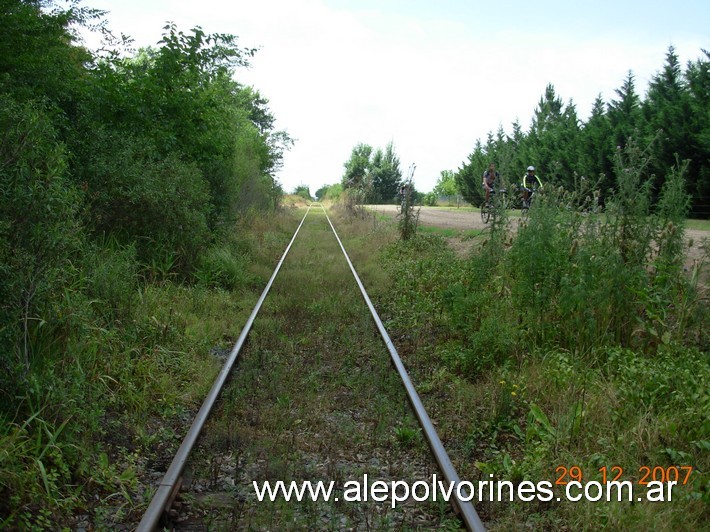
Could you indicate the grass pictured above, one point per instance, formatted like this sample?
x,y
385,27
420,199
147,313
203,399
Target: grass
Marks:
x,y
519,406
451,233
315,396
699,225
136,359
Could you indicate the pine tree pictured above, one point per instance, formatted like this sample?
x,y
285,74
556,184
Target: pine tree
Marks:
x,y
666,112
697,77
468,177
554,138
625,113
597,145
386,174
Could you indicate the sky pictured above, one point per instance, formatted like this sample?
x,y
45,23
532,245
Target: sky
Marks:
x,y
430,76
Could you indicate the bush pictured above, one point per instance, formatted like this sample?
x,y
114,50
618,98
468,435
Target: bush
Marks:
x,y
431,199
159,203
39,231
570,278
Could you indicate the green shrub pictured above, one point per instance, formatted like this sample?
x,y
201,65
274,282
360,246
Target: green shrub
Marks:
x,y
431,199
671,382
420,269
159,204
482,323
39,230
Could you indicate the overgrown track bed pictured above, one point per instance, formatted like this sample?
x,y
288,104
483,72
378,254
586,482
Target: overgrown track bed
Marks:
x,y
314,398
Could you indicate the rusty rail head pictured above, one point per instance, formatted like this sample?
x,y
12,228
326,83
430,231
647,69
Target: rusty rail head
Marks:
x,y
161,497
465,508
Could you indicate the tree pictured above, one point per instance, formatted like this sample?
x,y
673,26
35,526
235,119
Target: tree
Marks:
x,y
666,111
554,138
386,176
698,80
468,177
357,167
329,192
37,57
303,191
673,123
320,193
625,113
597,142
446,184
177,110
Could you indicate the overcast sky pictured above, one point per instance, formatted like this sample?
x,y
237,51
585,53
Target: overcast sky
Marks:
x,y
430,76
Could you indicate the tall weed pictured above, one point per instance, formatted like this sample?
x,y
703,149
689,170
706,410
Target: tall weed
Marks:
x,y
591,316
111,272
572,278
222,267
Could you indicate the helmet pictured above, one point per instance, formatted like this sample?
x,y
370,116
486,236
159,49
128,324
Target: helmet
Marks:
x,y
531,168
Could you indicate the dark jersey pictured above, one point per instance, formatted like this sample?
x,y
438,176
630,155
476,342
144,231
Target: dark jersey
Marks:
x,y
490,178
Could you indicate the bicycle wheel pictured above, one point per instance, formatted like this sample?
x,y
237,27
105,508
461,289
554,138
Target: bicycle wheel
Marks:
x,y
486,212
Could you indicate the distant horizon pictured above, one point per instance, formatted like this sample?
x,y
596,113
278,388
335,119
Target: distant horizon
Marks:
x,y
431,78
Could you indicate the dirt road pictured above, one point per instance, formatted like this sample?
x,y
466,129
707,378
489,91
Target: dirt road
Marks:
x,y
469,219
437,217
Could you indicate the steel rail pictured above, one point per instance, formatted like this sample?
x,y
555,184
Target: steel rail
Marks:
x,y
167,486
466,509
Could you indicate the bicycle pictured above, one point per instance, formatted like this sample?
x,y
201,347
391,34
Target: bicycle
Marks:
x,y
525,204
490,208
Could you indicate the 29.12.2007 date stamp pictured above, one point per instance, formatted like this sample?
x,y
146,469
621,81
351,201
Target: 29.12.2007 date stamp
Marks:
x,y
609,483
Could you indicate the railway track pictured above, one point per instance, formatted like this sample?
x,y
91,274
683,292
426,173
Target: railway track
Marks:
x,y
169,487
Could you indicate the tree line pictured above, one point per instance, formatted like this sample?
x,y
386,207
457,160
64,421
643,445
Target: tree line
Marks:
x,y
373,174
148,155
672,124
127,178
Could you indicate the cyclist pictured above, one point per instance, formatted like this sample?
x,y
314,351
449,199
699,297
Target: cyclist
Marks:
x,y
489,180
530,184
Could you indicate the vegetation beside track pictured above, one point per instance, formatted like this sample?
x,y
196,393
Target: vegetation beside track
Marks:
x,y
130,185
105,419
508,400
579,341
137,228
